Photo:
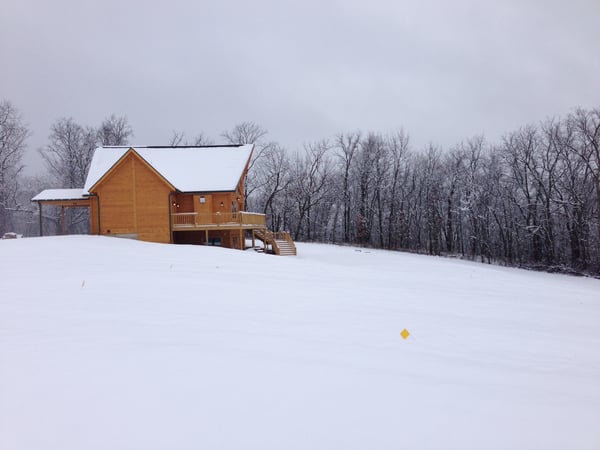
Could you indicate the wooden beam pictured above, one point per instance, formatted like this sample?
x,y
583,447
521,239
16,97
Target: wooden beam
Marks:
x,y
82,203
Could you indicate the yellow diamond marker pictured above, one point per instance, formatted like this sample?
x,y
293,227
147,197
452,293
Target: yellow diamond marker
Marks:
x,y
404,333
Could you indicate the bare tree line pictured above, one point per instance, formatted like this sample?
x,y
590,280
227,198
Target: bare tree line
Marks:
x,y
532,199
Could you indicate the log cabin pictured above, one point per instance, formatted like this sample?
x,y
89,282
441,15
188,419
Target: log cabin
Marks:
x,y
180,195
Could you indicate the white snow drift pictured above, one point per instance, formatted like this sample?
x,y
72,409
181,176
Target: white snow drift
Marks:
x,y
116,344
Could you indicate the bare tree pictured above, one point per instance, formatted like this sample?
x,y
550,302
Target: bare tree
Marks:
x,y
13,134
200,140
431,198
574,189
312,176
274,178
454,167
473,206
115,131
521,149
250,133
365,169
586,126
176,138
347,145
399,185
245,133
69,153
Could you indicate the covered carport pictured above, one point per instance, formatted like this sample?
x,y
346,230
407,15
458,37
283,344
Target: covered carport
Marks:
x,y
64,198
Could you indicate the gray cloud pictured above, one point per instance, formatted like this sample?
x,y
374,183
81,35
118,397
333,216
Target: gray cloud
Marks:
x,y
304,70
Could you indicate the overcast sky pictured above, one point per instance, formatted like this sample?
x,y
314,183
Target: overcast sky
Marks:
x,y
304,70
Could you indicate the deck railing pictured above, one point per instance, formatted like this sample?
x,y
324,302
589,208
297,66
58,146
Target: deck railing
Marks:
x,y
195,220
183,220
252,218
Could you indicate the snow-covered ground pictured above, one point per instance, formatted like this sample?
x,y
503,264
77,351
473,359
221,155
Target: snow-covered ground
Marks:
x,y
116,344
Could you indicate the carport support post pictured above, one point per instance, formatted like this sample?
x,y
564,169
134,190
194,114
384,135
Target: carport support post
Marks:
x,y
62,220
206,237
41,227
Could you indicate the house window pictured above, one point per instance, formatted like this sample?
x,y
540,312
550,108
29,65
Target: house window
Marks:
x,y
202,199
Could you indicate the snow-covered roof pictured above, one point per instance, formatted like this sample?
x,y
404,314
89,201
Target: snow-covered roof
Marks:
x,y
61,194
188,169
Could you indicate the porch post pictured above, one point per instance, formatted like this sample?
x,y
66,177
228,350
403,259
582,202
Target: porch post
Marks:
x,y
171,218
242,240
98,203
206,237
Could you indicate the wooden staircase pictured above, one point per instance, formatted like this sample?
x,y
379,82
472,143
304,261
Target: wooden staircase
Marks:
x,y
281,242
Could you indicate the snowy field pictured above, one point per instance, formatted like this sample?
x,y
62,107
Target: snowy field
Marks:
x,y
116,344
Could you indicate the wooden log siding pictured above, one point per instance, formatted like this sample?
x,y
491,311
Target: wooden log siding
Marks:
x,y
133,200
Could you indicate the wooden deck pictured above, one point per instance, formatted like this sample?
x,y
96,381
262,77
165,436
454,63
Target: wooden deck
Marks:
x,y
280,243
241,220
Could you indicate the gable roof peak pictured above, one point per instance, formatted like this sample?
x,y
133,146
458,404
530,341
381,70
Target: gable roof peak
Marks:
x,y
187,168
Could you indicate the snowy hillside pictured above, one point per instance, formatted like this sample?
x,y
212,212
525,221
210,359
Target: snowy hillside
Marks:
x,y
117,344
